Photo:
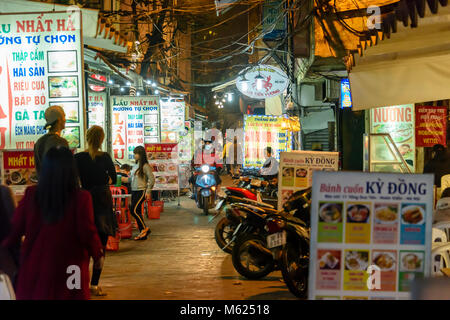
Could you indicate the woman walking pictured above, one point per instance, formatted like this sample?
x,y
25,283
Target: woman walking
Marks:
x,y
97,171
56,217
142,181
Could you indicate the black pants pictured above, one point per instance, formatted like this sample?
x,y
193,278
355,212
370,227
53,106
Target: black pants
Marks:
x,y
137,200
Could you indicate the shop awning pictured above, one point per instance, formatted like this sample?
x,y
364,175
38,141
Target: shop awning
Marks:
x,y
97,30
409,62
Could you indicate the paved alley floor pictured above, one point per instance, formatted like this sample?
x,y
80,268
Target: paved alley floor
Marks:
x,y
181,260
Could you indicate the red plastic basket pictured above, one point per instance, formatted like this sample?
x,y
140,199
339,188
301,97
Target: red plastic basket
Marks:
x,y
113,243
159,204
154,212
126,230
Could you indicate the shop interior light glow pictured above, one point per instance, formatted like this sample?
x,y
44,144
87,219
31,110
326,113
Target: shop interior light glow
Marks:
x,y
122,89
230,97
154,84
156,91
110,81
128,83
259,82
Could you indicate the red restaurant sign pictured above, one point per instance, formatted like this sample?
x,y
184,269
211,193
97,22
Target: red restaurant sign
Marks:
x,y
431,126
18,159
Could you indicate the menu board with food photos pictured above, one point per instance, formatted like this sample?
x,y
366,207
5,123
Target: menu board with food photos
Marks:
x,y
370,234
296,170
172,120
18,170
163,158
41,65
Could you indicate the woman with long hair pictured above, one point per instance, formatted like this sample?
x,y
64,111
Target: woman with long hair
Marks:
x,y
56,217
142,181
97,172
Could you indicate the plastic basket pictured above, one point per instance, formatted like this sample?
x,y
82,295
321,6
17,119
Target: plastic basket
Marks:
x,y
159,204
154,212
125,230
113,243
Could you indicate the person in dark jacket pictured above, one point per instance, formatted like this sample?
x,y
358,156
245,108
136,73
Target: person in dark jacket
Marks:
x,y
97,172
9,259
439,164
55,118
57,222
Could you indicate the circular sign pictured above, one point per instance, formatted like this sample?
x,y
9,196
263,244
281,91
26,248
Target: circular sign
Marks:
x,y
96,87
272,82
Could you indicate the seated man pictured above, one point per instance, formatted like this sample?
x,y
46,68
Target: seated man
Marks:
x,y
269,169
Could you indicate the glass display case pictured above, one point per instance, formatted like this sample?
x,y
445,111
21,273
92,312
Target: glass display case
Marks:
x,y
382,155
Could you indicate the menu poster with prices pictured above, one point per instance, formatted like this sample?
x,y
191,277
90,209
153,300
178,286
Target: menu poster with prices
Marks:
x,y
96,111
163,158
172,120
134,122
18,170
41,64
370,234
296,170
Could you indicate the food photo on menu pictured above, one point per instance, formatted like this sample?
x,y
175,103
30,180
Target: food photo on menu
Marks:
x,y
358,213
386,213
386,261
70,109
411,261
62,87
329,259
20,176
356,260
413,214
72,135
62,61
330,212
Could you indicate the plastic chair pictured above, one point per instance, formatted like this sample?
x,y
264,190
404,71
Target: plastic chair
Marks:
x,y
445,183
438,235
440,258
445,227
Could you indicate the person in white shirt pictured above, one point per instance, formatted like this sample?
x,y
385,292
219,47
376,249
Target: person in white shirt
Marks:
x,y
270,166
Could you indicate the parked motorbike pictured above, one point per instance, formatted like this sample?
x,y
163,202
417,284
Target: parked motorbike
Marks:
x,y
251,255
205,185
288,240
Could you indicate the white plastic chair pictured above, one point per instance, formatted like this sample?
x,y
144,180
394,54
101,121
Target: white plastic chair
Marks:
x,y
445,227
444,260
445,183
6,288
438,235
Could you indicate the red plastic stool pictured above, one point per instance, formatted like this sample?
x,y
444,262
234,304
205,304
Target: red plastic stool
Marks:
x,y
154,212
159,204
113,243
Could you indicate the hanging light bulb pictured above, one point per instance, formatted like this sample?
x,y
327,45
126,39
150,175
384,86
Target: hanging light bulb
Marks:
x,y
110,81
138,93
259,82
122,89
230,97
244,82
154,84
217,102
128,83
156,91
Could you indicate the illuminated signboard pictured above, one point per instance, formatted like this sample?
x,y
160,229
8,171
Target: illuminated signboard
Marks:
x,y
346,96
40,65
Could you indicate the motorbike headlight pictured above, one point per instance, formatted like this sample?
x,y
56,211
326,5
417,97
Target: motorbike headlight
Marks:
x,y
205,168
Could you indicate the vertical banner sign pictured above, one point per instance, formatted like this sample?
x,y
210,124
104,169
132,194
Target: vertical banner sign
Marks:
x,y
261,132
18,170
296,170
431,126
370,234
163,158
346,96
96,111
398,121
41,65
172,120
134,121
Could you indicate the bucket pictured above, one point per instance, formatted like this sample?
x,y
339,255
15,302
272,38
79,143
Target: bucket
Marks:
x,y
125,230
159,204
154,212
113,243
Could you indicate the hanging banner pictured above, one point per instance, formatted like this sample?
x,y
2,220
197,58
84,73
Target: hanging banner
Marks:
x,y
41,64
297,169
431,126
398,121
274,20
261,132
18,170
163,157
172,120
273,82
370,234
134,121
346,95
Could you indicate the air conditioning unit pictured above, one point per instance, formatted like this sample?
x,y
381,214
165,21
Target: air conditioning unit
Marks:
x,y
330,91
